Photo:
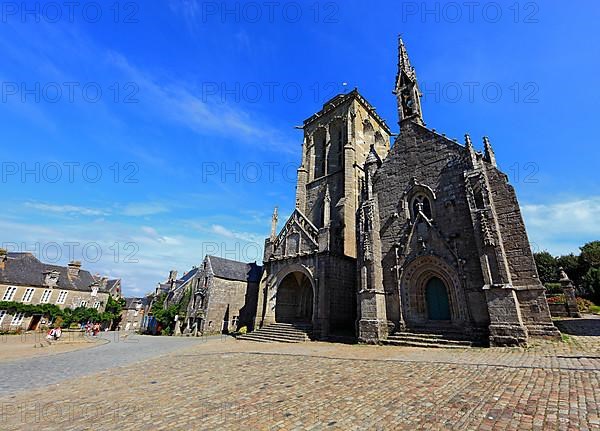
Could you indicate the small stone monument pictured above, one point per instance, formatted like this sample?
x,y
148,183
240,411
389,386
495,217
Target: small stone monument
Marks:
x,y
177,327
569,292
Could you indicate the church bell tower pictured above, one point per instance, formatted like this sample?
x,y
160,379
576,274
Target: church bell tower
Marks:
x,y
407,89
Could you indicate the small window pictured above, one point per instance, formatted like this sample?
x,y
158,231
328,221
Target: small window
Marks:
x,y
422,204
96,305
2,314
46,296
83,304
478,196
62,297
9,294
17,319
28,295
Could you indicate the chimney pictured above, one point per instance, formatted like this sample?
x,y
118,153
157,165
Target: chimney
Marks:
x,y
51,278
172,275
73,268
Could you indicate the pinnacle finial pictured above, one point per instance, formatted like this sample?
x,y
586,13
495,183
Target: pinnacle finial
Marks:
x,y
470,150
488,151
372,157
274,220
468,142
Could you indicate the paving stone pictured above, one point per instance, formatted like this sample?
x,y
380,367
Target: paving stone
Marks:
x,y
240,385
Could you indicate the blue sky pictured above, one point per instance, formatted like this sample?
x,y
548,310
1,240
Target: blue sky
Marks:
x,y
138,141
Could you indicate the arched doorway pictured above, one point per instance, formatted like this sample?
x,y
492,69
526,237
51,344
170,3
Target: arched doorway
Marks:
x,y
436,296
294,299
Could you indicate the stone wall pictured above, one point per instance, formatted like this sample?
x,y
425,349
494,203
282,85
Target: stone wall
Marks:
x,y
73,300
424,161
227,304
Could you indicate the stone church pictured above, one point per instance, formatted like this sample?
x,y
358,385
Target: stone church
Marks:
x,y
422,237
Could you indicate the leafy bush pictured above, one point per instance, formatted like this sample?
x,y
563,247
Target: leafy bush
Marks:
x,y
67,317
547,267
553,289
591,283
584,305
243,330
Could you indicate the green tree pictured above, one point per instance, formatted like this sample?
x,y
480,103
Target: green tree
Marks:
x,y
165,316
590,255
547,267
113,308
591,284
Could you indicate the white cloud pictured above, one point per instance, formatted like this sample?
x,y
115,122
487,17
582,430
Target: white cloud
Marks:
x,y
563,227
242,236
66,209
178,102
144,209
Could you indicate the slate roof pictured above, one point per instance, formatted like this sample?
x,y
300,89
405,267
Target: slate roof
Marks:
x,y
110,284
188,275
24,269
234,270
130,303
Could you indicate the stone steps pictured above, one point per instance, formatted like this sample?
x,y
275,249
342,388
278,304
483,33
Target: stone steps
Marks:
x,y
281,333
426,340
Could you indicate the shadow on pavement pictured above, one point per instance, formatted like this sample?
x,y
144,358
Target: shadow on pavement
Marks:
x,y
587,326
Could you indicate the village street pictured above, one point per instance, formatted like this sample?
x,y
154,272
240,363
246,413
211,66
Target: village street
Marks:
x,y
108,351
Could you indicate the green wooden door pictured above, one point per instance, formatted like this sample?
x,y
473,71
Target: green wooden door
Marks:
x,y
438,306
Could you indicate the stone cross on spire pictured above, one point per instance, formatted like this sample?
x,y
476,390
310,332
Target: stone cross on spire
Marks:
x,y
406,89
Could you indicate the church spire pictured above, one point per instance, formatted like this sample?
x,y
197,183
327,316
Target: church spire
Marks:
x,y
406,88
404,61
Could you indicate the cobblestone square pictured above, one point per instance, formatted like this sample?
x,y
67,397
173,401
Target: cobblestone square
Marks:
x,y
224,384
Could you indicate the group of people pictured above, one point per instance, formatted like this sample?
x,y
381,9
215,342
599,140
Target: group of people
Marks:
x,y
54,334
92,329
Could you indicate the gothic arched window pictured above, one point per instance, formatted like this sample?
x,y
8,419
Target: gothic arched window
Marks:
x,y
478,197
421,203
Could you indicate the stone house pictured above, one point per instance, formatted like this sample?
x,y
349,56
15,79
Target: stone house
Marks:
x,y
133,314
224,296
25,279
422,237
219,296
